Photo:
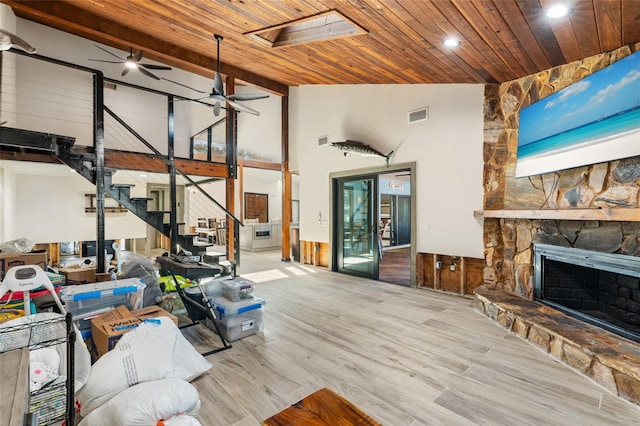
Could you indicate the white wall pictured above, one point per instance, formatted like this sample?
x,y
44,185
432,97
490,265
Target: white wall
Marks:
x,y
261,134
50,207
8,203
447,150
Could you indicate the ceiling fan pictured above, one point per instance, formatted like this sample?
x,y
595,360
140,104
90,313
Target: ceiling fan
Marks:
x,y
217,93
133,62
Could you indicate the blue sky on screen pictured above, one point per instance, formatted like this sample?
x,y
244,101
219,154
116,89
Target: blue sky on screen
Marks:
x,y
604,93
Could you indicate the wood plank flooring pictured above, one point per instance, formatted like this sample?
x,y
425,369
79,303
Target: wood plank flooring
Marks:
x,y
395,266
404,356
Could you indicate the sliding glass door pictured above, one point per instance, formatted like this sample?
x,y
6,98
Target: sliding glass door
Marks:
x,y
356,230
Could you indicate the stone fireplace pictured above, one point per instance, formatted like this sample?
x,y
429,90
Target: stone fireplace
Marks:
x,y
600,288
594,208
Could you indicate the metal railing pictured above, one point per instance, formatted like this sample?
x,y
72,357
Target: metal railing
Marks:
x,y
35,101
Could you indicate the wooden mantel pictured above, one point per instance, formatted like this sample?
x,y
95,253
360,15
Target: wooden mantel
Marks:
x,y
619,214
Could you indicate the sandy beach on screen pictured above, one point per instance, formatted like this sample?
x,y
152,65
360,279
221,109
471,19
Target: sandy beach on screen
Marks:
x,y
589,152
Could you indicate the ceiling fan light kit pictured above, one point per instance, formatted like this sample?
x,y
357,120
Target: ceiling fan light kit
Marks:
x,y
132,62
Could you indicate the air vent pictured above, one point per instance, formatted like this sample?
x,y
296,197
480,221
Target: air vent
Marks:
x,y
109,85
418,115
323,141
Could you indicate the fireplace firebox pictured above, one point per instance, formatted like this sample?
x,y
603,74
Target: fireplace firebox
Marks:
x,y
600,288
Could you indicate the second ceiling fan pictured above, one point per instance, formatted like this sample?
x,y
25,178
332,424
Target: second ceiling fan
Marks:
x,y
217,93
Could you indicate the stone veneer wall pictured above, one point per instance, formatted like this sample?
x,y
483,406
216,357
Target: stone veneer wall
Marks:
x,y
610,185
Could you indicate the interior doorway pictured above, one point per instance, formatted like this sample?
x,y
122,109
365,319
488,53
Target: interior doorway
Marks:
x,y
373,225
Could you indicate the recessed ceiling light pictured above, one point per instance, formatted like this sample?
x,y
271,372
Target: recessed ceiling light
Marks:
x,y
451,42
142,175
557,11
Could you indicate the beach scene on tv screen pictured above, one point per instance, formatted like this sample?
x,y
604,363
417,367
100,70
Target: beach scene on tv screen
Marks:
x,y
593,120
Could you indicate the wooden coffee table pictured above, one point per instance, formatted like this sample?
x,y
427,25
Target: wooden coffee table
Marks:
x,y
321,408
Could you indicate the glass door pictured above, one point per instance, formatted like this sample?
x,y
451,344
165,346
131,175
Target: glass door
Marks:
x,y
356,233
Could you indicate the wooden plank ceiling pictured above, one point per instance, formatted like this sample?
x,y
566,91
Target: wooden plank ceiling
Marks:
x,y
501,40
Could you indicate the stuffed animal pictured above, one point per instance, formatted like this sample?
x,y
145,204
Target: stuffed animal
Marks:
x,y
43,367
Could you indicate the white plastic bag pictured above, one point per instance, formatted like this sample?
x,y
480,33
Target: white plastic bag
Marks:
x,y
149,403
149,352
20,245
180,420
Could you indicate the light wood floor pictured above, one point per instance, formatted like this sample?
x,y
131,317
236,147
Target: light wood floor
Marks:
x,y
404,356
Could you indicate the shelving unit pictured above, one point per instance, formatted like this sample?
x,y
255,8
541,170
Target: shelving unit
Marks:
x,y
55,401
108,209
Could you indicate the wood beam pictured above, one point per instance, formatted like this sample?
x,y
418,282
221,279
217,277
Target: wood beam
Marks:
x,y
72,19
286,183
259,164
128,161
618,214
154,164
36,157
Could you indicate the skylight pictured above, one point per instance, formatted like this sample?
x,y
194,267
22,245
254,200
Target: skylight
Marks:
x,y
324,26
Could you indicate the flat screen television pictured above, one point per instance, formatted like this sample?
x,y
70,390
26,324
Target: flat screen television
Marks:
x,y
593,120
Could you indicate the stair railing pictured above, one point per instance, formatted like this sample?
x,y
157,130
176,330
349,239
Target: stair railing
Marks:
x,y
192,184
98,135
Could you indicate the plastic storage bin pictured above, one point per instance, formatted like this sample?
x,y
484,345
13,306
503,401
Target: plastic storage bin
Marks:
x,y
86,301
212,288
239,319
237,289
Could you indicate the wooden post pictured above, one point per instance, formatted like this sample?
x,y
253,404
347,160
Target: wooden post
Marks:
x,y
286,183
230,194
463,274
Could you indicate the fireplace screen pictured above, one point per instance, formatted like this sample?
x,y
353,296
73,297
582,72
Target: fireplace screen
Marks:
x,y
600,288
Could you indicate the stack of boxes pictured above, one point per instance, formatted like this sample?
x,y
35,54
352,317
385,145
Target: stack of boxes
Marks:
x,y
238,312
88,301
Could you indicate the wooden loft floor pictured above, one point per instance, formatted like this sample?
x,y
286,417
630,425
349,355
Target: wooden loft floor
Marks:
x,y
404,356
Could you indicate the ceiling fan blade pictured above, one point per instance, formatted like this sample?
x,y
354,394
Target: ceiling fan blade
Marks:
x,y
125,71
218,86
148,74
247,96
218,98
155,67
106,62
9,40
243,108
138,56
184,85
110,53
216,109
